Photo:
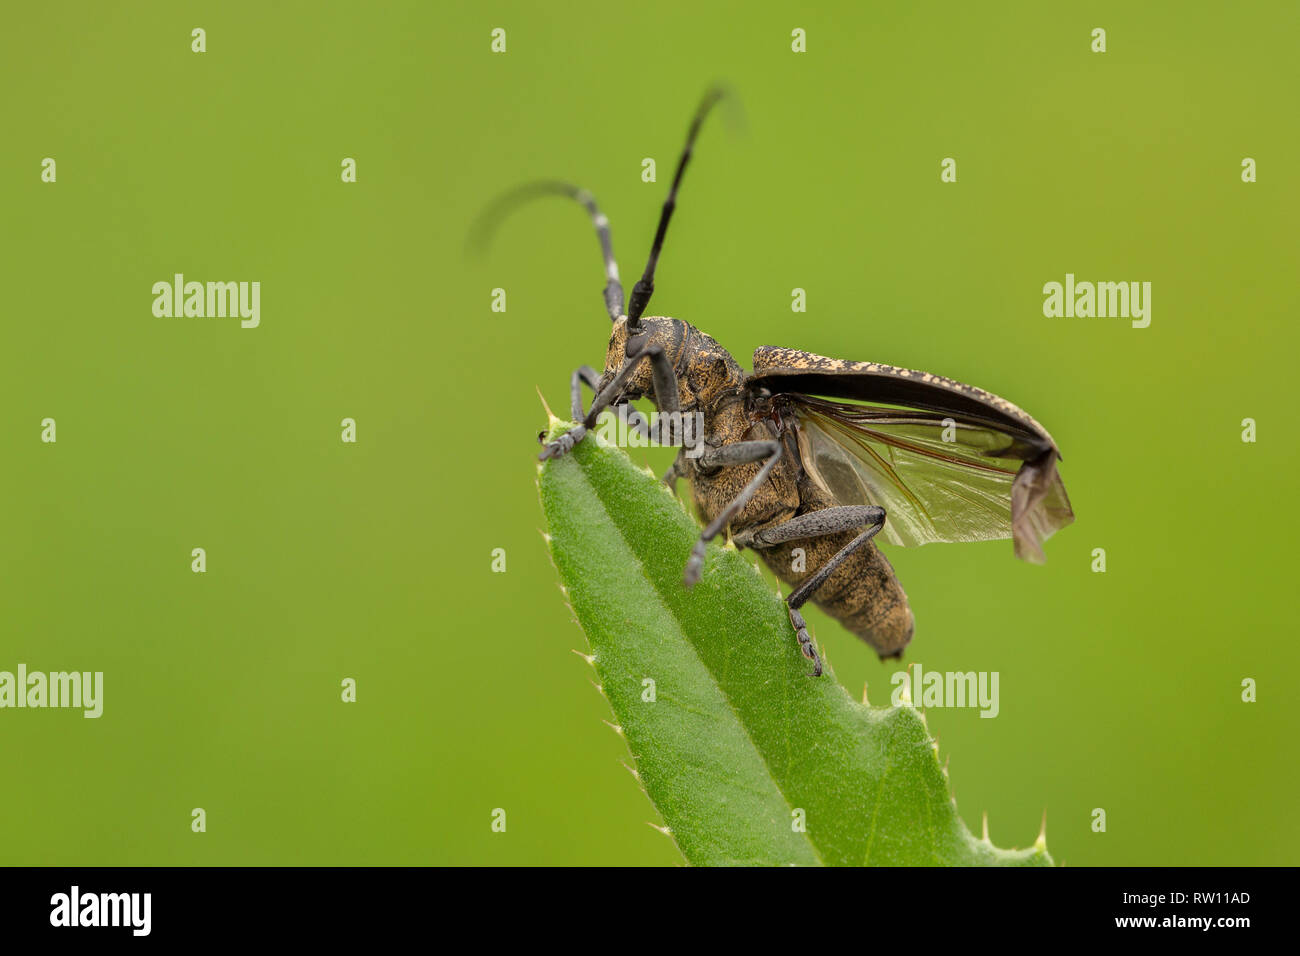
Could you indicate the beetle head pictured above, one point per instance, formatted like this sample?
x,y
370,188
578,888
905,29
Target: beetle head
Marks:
x,y
624,343
703,368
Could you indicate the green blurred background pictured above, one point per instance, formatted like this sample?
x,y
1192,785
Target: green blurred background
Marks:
x,y
373,561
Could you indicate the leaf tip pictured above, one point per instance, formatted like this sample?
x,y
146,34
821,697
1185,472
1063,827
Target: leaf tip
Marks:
x,y
1041,843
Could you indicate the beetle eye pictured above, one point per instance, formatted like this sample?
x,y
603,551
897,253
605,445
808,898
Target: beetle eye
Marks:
x,y
636,343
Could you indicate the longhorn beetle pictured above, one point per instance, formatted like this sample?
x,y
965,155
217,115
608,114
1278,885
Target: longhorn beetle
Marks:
x,y
814,458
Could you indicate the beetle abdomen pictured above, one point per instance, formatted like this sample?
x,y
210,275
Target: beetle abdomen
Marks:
x,y
862,593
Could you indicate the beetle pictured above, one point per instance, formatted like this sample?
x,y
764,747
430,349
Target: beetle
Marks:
x,y
807,459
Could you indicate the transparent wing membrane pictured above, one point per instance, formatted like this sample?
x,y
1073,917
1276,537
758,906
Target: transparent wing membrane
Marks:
x,y
938,477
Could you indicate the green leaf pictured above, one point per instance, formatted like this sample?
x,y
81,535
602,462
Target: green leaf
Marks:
x,y
738,736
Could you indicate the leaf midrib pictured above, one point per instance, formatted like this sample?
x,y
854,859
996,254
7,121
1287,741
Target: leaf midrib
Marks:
x,y
687,637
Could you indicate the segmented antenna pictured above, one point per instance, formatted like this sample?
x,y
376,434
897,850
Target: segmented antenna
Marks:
x,y
645,286
495,214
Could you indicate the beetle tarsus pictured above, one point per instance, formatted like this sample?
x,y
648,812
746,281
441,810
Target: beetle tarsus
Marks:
x,y
695,564
564,444
805,641
670,477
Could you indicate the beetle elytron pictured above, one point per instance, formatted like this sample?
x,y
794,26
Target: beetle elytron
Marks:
x,y
820,454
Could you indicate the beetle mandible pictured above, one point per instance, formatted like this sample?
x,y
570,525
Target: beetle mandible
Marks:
x,y
808,459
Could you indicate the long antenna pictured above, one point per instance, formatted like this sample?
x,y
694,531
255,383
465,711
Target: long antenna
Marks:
x,y
645,286
493,216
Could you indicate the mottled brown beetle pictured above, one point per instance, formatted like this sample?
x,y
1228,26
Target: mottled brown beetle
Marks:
x,y
906,455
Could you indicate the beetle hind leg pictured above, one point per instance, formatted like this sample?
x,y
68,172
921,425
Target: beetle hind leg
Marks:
x,y
815,524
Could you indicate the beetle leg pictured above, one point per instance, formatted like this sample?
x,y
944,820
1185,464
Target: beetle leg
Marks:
x,y
737,453
583,373
815,524
634,419
665,385
674,472
626,413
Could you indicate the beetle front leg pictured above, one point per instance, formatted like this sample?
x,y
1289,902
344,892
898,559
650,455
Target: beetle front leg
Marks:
x,y
665,385
816,524
674,472
583,373
626,413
